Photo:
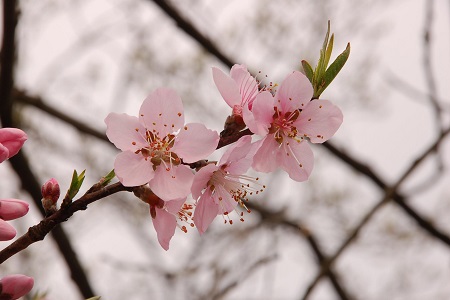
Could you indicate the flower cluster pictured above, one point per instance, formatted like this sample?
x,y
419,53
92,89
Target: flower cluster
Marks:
x,y
159,152
12,286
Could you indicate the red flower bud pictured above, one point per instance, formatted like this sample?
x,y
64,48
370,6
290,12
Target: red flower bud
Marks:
x,y
50,195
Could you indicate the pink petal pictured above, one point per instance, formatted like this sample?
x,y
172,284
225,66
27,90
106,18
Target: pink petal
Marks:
x,y
16,285
12,139
125,132
297,159
319,120
195,142
295,92
227,87
11,209
248,86
239,156
205,212
162,112
173,184
223,198
201,179
266,158
174,206
132,169
165,224
7,232
260,118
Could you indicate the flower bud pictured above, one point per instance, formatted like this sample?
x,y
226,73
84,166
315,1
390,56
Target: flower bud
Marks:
x,y
15,286
7,232
11,209
50,195
11,140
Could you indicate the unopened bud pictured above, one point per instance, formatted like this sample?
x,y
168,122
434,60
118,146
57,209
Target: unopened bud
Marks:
x,y
11,209
50,195
15,286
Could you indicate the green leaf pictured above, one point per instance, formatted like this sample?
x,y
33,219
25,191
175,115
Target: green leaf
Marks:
x,y
329,50
94,298
308,70
77,181
107,179
334,69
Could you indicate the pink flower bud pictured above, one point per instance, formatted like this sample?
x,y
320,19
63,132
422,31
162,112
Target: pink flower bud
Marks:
x,y
15,286
50,195
11,209
7,232
50,190
11,140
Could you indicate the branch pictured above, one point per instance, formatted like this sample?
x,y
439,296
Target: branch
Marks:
x,y
389,194
39,231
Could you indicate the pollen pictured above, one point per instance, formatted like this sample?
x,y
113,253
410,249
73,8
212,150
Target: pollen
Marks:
x,y
179,114
320,106
133,143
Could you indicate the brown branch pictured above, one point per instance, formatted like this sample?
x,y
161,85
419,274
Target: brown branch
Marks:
x,y
389,194
39,231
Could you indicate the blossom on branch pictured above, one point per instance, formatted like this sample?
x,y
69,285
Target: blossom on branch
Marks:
x,y
219,188
157,143
286,121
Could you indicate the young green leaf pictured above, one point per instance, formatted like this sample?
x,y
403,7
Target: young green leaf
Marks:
x,y
107,179
77,181
334,69
308,70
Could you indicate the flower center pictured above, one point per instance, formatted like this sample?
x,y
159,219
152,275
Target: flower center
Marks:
x,y
223,185
158,150
282,125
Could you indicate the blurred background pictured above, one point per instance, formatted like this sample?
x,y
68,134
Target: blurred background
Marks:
x,y
364,226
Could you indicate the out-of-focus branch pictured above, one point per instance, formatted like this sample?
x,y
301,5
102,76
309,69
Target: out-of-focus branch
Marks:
x,y
19,162
279,218
389,194
192,31
427,65
39,231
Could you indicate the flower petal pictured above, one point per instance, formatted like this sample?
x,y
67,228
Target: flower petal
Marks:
x,y
7,232
11,209
295,92
259,119
162,112
125,132
319,121
227,87
132,169
205,212
239,156
12,139
201,179
195,142
247,84
4,153
165,224
297,159
173,206
173,184
266,158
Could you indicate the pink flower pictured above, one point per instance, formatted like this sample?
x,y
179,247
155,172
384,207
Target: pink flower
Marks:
x,y
219,188
165,214
11,140
15,286
156,144
238,90
7,232
284,121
